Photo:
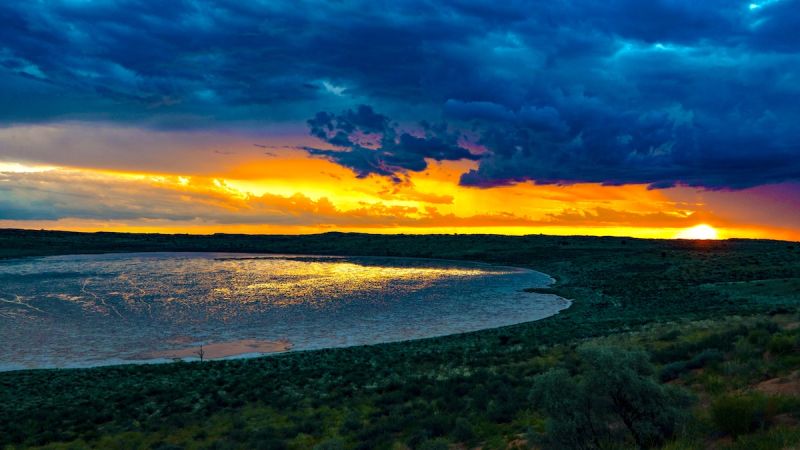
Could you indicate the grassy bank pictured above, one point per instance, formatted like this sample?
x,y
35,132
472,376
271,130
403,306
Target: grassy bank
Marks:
x,y
717,319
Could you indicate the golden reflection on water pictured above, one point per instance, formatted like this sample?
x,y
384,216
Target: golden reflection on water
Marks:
x,y
201,289
101,307
302,282
198,290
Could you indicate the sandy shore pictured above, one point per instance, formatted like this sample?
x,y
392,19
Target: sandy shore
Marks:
x,y
221,349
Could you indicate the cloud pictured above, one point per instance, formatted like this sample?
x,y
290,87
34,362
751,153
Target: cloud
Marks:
x,y
662,92
79,194
368,143
602,216
58,193
662,147
53,194
123,147
58,197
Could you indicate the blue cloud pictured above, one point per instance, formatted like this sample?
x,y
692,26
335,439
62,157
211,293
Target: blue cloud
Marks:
x,y
662,92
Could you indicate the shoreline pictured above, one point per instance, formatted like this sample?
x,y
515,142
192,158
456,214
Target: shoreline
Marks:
x,y
247,347
190,358
218,350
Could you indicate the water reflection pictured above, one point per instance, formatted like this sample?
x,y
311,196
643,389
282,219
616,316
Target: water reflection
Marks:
x,y
95,309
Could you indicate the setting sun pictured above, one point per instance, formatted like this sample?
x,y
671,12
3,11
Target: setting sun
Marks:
x,y
701,231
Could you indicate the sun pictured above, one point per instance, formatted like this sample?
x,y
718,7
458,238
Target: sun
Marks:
x,y
701,231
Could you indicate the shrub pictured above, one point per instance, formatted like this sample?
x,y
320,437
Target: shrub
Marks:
x,y
462,431
781,344
675,369
264,439
330,444
705,358
352,423
612,387
166,446
417,438
435,444
741,414
672,371
670,335
758,337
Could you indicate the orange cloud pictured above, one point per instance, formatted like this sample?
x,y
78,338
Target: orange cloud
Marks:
x,y
294,194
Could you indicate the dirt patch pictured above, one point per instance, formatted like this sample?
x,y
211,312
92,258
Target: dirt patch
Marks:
x,y
789,385
517,444
721,442
221,349
785,420
791,326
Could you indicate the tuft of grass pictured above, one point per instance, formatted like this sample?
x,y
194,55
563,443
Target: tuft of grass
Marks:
x,y
738,414
779,438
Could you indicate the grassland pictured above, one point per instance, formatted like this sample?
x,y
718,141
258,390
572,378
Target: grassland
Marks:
x,y
718,320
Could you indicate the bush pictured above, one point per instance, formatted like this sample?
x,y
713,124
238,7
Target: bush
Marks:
x,y
670,335
462,432
781,344
436,425
262,439
612,388
352,423
166,446
435,444
330,444
758,337
742,414
705,358
675,369
672,371
417,438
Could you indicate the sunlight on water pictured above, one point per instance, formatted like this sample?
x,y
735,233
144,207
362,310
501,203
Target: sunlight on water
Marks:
x,y
98,309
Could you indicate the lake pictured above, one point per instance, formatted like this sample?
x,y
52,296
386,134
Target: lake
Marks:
x,y
89,310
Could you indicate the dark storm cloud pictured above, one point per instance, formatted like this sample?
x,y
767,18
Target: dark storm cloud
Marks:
x,y
368,143
662,92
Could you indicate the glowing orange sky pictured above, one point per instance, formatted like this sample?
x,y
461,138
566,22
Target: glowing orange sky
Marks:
x,y
208,119
246,190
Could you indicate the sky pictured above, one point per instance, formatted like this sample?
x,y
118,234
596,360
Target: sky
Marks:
x,y
622,117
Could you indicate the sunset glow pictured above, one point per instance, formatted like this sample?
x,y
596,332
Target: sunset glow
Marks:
x,y
703,231
461,223
174,139
308,195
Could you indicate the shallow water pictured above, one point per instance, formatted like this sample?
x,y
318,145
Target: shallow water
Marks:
x,y
87,310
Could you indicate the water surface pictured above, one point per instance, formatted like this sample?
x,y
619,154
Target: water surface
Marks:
x,y
86,310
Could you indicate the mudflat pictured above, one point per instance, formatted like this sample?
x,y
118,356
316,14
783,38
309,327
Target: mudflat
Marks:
x,y
221,349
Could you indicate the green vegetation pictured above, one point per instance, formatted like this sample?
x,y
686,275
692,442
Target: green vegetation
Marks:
x,y
702,363
611,388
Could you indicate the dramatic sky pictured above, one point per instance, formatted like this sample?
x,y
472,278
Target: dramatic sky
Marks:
x,y
617,117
